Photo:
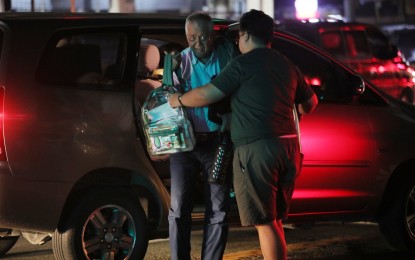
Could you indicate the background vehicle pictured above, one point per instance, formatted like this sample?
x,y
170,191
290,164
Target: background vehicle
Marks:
x,y
72,163
403,36
363,47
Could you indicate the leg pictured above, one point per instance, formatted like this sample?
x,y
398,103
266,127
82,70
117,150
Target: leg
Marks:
x,y
257,169
216,199
272,240
216,227
183,173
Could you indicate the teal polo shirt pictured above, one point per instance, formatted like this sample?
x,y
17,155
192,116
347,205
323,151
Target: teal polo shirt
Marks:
x,y
194,74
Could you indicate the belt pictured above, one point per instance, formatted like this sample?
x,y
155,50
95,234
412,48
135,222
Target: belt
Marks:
x,y
203,136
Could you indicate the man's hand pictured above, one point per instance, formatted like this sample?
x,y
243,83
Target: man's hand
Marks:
x,y
174,101
159,158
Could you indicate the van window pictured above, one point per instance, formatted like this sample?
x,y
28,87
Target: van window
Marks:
x,y
333,43
346,44
377,40
357,44
318,71
92,59
150,66
321,74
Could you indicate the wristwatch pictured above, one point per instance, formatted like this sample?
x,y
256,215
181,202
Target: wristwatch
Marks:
x,y
179,97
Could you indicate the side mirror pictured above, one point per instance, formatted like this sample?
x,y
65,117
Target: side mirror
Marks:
x,y
357,84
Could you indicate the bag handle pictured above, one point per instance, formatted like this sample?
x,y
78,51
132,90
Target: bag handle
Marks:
x,y
168,70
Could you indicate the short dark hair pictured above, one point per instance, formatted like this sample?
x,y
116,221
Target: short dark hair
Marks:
x,y
257,24
200,17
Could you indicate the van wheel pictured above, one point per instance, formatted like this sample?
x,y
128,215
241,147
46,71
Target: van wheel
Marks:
x,y
106,224
397,222
6,243
407,95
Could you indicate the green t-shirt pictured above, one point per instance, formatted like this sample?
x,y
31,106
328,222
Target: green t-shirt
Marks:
x,y
263,86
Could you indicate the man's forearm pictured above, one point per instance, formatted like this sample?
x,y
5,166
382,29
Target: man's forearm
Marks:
x,y
308,106
198,97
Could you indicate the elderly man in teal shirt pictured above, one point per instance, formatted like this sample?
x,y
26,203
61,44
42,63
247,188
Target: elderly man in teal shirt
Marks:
x,y
200,62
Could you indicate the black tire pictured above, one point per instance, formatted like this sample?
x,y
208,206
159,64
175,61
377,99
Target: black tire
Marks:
x,y
6,243
397,222
106,224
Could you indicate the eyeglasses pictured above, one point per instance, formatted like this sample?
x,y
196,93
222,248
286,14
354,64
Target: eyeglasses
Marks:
x,y
201,38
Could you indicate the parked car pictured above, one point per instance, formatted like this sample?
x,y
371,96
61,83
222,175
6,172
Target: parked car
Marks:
x,y
403,36
73,158
363,47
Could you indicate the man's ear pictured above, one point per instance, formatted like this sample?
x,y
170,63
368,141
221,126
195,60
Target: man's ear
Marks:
x,y
247,37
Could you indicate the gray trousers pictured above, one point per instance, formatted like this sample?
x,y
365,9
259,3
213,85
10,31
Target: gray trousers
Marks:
x,y
185,169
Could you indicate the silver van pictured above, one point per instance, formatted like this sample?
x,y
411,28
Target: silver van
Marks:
x,y
74,167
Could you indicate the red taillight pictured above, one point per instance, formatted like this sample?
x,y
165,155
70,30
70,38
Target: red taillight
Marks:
x,y
2,146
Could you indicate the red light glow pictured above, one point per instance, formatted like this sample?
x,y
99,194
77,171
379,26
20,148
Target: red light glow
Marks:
x,y
401,66
338,148
313,81
308,194
14,117
3,156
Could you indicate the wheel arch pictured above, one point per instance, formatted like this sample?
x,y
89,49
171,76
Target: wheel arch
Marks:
x,y
396,205
145,190
401,173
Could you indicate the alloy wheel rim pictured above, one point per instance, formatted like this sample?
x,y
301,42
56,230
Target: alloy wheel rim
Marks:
x,y
109,233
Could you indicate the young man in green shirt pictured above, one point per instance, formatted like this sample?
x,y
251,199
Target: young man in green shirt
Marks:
x,y
264,87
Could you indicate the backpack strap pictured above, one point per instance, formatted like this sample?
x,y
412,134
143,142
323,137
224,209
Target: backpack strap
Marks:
x,y
168,70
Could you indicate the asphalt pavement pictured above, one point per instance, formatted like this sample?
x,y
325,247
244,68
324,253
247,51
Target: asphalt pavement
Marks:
x,y
329,241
